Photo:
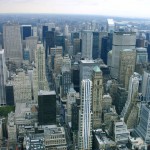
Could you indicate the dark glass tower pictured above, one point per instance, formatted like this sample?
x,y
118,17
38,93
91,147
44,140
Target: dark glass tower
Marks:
x,y
44,30
106,47
50,42
60,41
26,31
95,51
47,107
9,95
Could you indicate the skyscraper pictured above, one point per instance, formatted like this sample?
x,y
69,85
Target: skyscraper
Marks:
x,y
26,31
101,35
95,50
66,31
121,41
85,116
47,107
12,43
110,26
105,48
44,30
50,42
86,69
141,55
143,129
31,44
126,66
76,46
146,86
60,41
2,78
87,43
97,92
42,82
131,100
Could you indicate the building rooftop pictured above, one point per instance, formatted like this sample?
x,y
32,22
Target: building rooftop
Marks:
x,y
42,92
102,138
35,142
110,21
97,69
53,129
127,50
21,108
87,61
106,96
136,141
141,49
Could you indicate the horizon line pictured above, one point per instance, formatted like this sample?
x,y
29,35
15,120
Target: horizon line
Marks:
x,y
44,13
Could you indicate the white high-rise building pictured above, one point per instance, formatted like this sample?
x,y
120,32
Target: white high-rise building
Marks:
x,y
146,86
2,78
87,43
121,41
40,64
66,30
85,116
12,43
110,25
22,87
132,93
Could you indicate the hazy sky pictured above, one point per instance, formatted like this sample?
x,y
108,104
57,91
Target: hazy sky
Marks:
x,y
137,8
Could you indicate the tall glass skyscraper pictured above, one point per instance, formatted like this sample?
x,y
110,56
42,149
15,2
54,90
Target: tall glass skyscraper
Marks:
x,y
26,31
85,116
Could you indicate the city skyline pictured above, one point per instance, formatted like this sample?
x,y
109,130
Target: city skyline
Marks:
x,y
132,8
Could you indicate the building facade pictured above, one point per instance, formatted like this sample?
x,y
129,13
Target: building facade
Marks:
x,y
85,117
121,41
97,92
31,44
126,66
141,55
2,78
143,129
146,86
26,31
12,46
87,43
47,107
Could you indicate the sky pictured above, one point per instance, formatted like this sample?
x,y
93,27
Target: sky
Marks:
x,y
124,8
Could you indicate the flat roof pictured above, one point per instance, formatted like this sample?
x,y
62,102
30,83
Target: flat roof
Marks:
x,y
42,92
87,61
127,50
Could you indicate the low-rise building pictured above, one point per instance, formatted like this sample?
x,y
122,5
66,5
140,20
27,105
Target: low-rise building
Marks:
x,y
137,143
101,141
11,128
121,134
55,138
26,115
